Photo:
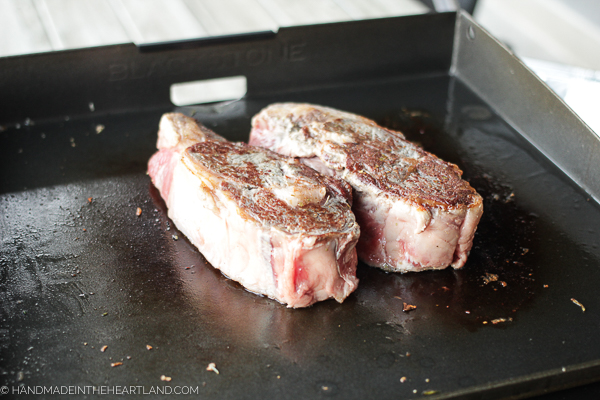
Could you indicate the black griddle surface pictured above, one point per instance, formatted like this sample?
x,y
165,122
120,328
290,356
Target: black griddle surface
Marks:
x,y
79,270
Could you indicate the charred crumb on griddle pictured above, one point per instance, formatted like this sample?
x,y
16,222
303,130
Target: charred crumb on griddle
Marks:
x,y
487,278
579,304
500,320
212,367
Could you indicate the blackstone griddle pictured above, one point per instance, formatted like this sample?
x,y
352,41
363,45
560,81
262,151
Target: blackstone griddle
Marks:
x,y
81,270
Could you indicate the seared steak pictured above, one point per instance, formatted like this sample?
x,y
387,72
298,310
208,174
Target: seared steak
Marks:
x,y
414,210
267,221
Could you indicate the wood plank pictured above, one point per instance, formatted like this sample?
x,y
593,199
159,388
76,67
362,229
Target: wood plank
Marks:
x,y
304,12
363,9
48,23
148,21
21,31
80,23
224,17
41,25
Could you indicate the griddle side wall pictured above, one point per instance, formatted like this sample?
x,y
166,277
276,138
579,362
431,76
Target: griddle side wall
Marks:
x,y
124,78
525,102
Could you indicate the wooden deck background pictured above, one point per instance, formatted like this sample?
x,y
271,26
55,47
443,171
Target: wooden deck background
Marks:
x,y
31,26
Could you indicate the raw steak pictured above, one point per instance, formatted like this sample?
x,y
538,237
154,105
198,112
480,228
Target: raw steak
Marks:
x,y
267,221
414,210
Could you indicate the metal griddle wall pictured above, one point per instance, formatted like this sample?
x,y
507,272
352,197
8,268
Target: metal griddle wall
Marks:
x,y
124,77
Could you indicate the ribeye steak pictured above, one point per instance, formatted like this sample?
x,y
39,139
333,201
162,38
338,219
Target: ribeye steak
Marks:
x,y
414,210
265,220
